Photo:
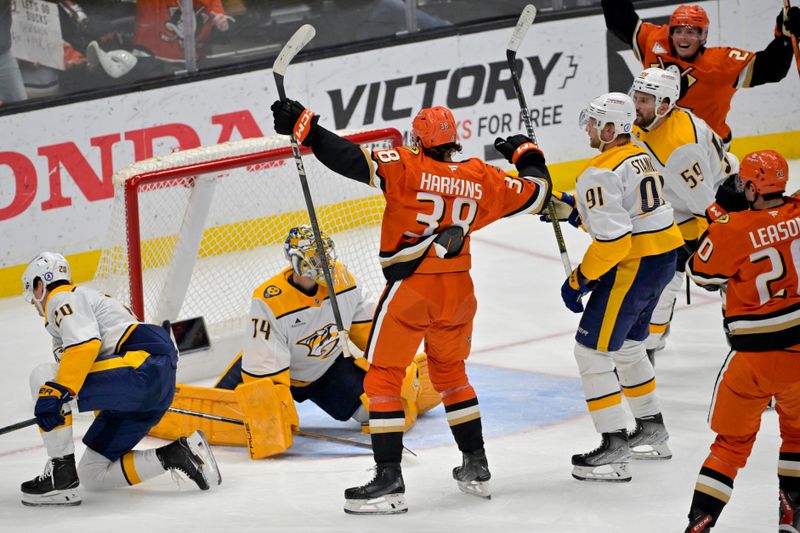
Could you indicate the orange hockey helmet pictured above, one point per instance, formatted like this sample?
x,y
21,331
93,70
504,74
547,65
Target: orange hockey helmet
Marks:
x,y
689,16
433,127
767,170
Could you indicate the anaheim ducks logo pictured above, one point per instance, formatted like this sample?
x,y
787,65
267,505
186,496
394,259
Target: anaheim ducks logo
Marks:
x,y
322,343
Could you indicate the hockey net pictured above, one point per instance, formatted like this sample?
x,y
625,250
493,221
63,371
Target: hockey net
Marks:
x,y
193,233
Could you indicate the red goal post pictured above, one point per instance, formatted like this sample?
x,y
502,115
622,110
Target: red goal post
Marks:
x,y
194,232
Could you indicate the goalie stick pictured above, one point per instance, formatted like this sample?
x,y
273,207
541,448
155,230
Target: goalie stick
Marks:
x,y
297,42
786,6
523,24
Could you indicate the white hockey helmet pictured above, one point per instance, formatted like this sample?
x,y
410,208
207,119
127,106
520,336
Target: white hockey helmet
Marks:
x,y
610,108
48,267
663,84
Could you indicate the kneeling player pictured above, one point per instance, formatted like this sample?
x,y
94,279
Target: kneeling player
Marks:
x,y
115,365
293,351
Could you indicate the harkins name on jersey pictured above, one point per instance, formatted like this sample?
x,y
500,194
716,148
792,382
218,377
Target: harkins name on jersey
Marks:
x,y
450,186
773,233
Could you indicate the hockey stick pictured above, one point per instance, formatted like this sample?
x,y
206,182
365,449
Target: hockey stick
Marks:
x,y
296,43
787,5
18,425
299,433
523,24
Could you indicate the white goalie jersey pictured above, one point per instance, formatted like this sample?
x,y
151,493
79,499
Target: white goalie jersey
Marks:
x,y
289,329
694,163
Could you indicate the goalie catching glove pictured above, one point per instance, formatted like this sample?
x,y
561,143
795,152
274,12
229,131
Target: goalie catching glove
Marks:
x,y
565,209
292,118
52,397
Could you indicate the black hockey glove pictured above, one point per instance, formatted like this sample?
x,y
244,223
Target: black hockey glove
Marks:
x,y
292,118
519,150
788,22
727,200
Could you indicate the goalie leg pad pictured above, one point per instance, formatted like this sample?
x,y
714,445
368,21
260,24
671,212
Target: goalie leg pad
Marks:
x,y
269,415
427,395
218,402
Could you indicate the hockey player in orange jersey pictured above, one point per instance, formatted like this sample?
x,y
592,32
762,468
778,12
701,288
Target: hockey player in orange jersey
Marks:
x,y
757,253
433,204
710,76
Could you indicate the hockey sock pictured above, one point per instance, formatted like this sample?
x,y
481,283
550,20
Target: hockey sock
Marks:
x,y
789,471
97,472
58,441
386,431
464,418
711,492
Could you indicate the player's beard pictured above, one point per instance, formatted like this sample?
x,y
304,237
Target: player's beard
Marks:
x,y
644,121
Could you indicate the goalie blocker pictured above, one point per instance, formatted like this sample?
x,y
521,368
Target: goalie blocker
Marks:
x,y
268,412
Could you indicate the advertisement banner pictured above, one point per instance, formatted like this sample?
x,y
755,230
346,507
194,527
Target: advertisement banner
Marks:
x,y
56,164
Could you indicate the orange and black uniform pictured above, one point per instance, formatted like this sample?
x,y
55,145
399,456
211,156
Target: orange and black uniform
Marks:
x,y
429,296
709,81
757,253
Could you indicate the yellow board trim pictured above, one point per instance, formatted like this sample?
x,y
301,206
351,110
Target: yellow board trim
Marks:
x,y
129,468
83,265
626,273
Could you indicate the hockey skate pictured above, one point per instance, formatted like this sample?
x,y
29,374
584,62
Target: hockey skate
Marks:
x,y
699,521
649,439
789,511
385,494
608,462
473,475
192,457
58,485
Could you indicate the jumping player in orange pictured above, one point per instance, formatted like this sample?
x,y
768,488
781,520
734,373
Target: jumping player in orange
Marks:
x,y
757,253
709,76
433,204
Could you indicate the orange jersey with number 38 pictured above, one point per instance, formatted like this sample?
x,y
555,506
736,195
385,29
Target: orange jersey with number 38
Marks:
x,y
758,254
707,84
425,196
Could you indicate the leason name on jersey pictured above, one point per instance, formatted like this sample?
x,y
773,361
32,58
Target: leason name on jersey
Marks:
x,y
450,186
773,233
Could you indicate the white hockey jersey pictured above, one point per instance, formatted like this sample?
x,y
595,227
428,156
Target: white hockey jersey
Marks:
x,y
76,315
289,329
693,162
619,195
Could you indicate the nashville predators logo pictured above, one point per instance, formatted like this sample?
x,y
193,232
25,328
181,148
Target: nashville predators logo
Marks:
x,y
322,343
271,291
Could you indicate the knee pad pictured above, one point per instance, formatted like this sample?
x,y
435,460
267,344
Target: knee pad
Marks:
x,y
39,375
92,469
591,361
630,353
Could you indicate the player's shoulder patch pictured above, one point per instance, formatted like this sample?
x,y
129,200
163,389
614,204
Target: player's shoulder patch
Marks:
x,y
724,219
272,290
413,149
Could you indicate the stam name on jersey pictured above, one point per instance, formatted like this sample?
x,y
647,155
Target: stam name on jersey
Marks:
x,y
773,233
450,186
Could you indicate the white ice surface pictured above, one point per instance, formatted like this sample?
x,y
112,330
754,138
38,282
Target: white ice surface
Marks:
x,y
521,324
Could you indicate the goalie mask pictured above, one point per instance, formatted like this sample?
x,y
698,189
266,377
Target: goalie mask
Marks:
x,y
301,251
48,267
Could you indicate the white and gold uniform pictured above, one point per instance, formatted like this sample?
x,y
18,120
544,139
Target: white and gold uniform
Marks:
x,y
293,332
629,262
693,162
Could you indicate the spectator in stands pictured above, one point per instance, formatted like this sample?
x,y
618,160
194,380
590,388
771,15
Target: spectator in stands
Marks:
x,y
11,87
159,27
